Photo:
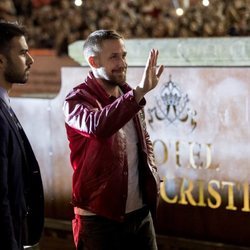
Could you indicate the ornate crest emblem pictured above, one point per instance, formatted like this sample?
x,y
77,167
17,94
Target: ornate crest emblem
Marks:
x,y
172,106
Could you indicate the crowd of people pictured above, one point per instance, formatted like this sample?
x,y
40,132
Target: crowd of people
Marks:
x,y
55,24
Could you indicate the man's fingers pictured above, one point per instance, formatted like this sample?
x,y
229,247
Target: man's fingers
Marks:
x,y
150,60
159,71
152,63
154,55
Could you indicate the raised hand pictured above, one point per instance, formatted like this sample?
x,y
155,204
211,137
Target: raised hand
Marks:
x,y
151,75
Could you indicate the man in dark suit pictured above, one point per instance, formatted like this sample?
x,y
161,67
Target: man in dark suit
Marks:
x,y
21,190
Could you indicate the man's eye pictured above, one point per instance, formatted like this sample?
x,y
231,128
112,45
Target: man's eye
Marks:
x,y
24,53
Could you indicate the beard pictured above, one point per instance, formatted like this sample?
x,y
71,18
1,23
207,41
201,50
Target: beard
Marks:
x,y
12,75
117,77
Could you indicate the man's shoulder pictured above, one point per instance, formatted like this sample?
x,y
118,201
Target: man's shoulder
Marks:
x,y
4,126
86,89
2,115
76,90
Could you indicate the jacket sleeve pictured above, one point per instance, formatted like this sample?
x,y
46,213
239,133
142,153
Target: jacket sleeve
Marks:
x,y
150,150
7,236
90,118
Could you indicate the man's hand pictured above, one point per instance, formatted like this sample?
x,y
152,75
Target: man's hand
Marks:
x,y
150,76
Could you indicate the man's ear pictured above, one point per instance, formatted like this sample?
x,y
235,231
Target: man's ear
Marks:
x,y
93,62
2,60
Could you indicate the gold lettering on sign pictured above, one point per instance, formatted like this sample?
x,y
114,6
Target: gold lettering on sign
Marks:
x,y
214,201
165,197
201,202
177,150
200,193
164,158
186,193
230,186
245,198
199,156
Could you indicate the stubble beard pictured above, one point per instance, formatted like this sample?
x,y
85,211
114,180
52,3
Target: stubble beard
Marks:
x,y
119,79
13,76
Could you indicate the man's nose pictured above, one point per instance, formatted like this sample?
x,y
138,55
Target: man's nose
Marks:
x,y
123,62
30,59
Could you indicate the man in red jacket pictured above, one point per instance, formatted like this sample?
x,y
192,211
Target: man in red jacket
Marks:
x,y
115,180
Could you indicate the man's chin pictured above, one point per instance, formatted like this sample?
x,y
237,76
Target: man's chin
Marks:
x,y
120,80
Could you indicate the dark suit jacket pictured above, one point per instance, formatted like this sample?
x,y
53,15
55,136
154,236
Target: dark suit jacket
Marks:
x,y
21,191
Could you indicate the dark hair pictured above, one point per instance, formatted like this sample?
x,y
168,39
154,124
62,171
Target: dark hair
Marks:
x,y
94,41
9,30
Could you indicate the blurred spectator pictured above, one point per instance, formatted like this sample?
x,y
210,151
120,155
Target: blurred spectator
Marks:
x,y
7,10
57,23
39,3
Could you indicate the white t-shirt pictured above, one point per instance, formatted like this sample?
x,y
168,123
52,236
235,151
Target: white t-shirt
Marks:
x,y
134,198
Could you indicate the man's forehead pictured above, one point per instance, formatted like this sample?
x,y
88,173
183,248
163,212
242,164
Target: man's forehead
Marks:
x,y
113,45
113,42
19,42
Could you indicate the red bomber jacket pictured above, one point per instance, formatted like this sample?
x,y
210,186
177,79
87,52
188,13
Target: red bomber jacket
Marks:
x,y
94,122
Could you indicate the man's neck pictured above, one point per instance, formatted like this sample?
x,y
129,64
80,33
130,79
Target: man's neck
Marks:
x,y
6,86
112,90
4,95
